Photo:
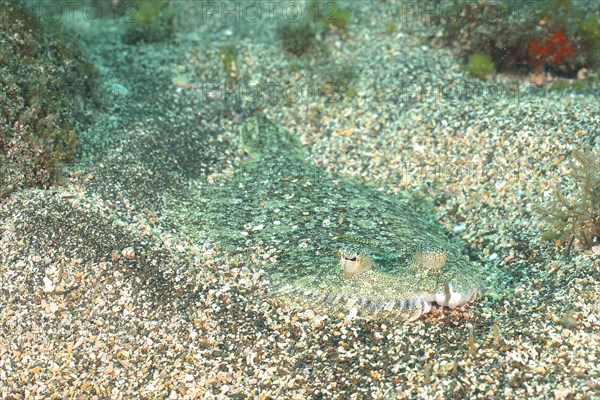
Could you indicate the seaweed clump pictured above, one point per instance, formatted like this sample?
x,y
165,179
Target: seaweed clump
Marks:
x,y
48,93
151,22
319,19
580,218
296,38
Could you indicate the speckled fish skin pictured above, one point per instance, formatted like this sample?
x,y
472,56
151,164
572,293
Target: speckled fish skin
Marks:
x,y
312,222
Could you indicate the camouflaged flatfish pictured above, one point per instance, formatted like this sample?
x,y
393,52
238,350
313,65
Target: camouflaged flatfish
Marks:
x,y
328,242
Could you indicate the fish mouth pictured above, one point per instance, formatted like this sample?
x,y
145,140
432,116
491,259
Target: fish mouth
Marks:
x,y
390,307
450,296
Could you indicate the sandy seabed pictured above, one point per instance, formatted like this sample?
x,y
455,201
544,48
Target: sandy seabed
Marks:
x,y
101,297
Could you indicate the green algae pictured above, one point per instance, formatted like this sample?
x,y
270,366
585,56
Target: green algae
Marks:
x,y
302,223
480,66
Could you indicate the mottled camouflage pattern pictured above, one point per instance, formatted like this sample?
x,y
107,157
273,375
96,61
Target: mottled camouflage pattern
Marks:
x,y
311,223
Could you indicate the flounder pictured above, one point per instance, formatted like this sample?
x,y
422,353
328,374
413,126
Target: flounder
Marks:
x,y
328,242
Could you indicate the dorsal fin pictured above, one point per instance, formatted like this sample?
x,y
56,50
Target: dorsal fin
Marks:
x,y
260,137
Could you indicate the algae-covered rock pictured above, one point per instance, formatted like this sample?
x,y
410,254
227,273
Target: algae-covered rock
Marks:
x,y
557,36
324,240
48,88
